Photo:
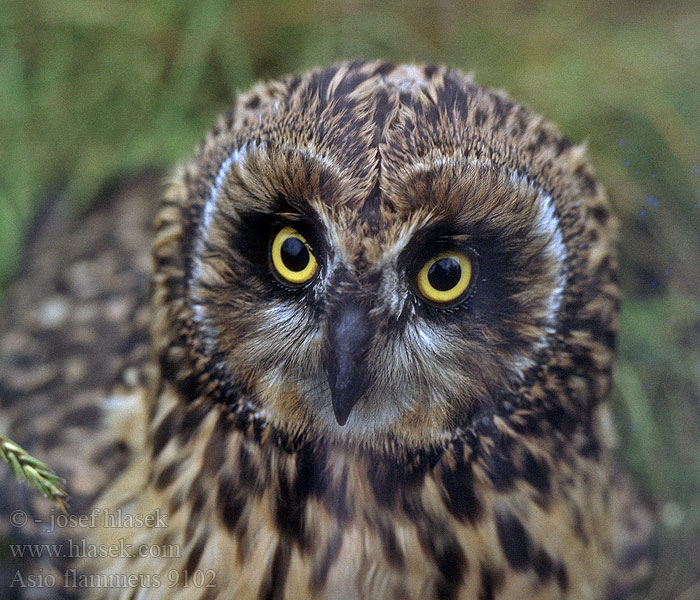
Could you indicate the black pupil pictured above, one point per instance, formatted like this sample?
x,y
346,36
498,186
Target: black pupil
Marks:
x,y
444,274
295,254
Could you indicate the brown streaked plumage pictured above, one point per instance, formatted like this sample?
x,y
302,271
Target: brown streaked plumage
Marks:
x,y
347,434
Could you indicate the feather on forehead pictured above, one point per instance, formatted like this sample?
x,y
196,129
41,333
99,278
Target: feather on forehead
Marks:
x,y
439,188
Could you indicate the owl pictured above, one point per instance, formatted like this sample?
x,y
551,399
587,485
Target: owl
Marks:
x,y
369,357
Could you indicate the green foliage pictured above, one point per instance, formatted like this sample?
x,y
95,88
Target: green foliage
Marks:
x,y
94,89
24,466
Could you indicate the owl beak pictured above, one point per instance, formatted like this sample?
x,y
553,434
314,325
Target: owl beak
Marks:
x,y
349,336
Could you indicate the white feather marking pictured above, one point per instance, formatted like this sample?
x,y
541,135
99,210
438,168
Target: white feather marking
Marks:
x,y
205,223
281,315
313,153
404,237
547,226
423,338
210,204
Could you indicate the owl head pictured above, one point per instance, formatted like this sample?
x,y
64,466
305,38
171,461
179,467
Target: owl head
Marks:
x,y
378,254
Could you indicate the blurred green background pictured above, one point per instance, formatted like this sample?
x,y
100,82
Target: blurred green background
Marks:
x,y
91,91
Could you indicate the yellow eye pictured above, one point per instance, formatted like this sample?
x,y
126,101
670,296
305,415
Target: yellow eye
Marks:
x,y
445,278
292,258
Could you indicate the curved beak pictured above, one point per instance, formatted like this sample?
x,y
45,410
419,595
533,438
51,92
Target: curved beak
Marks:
x,y
348,336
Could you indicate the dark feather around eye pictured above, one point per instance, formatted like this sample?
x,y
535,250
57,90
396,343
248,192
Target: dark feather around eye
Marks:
x,y
430,242
494,258
252,234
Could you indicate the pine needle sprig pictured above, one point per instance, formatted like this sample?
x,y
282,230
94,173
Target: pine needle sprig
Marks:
x,y
24,466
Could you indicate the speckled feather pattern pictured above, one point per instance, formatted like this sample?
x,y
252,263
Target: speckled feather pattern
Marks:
x,y
478,462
